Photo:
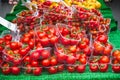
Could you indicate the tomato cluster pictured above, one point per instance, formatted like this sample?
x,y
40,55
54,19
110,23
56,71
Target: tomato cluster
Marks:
x,y
116,61
100,63
58,37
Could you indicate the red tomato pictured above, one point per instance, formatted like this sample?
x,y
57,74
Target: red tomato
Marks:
x,y
64,40
116,68
52,70
103,67
32,33
6,69
98,47
87,51
82,45
65,31
80,68
28,68
86,40
37,71
35,55
60,68
27,35
107,51
25,39
15,70
1,48
61,57
109,45
53,39
45,54
23,52
8,37
27,59
34,63
116,53
1,41
31,43
104,59
82,60
71,60
44,41
93,68
118,57
45,62
102,38
41,34
14,45
53,62
72,49
71,69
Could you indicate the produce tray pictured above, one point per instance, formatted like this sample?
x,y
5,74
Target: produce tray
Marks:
x,y
87,75
114,38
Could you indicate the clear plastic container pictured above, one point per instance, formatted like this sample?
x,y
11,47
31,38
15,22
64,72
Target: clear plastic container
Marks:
x,y
29,70
80,68
64,54
97,63
47,35
7,69
66,37
42,53
55,69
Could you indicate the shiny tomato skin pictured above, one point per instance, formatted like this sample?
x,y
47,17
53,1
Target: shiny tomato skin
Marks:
x,y
93,68
8,37
52,70
60,68
116,68
71,60
80,68
71,69
34,63
15,70
103,67
37,71
45,62
53,62
45,54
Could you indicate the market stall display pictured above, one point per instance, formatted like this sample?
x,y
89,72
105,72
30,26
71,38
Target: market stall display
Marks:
x,y
58,38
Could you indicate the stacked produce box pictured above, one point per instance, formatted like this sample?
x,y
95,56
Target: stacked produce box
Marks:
x,y
56,36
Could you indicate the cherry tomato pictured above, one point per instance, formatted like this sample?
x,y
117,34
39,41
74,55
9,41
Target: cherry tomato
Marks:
x,y
52,70
45,54
34,63
37,71
60,68
8,37
45,62
27,59
28,68
15,70
116,68
6,69
71,69
53,62
103,67
35,55
93,67
71,60
102,38
80,68
104,59
82,60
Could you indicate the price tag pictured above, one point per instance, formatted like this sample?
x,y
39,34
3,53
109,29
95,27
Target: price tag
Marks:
x,y
8,24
